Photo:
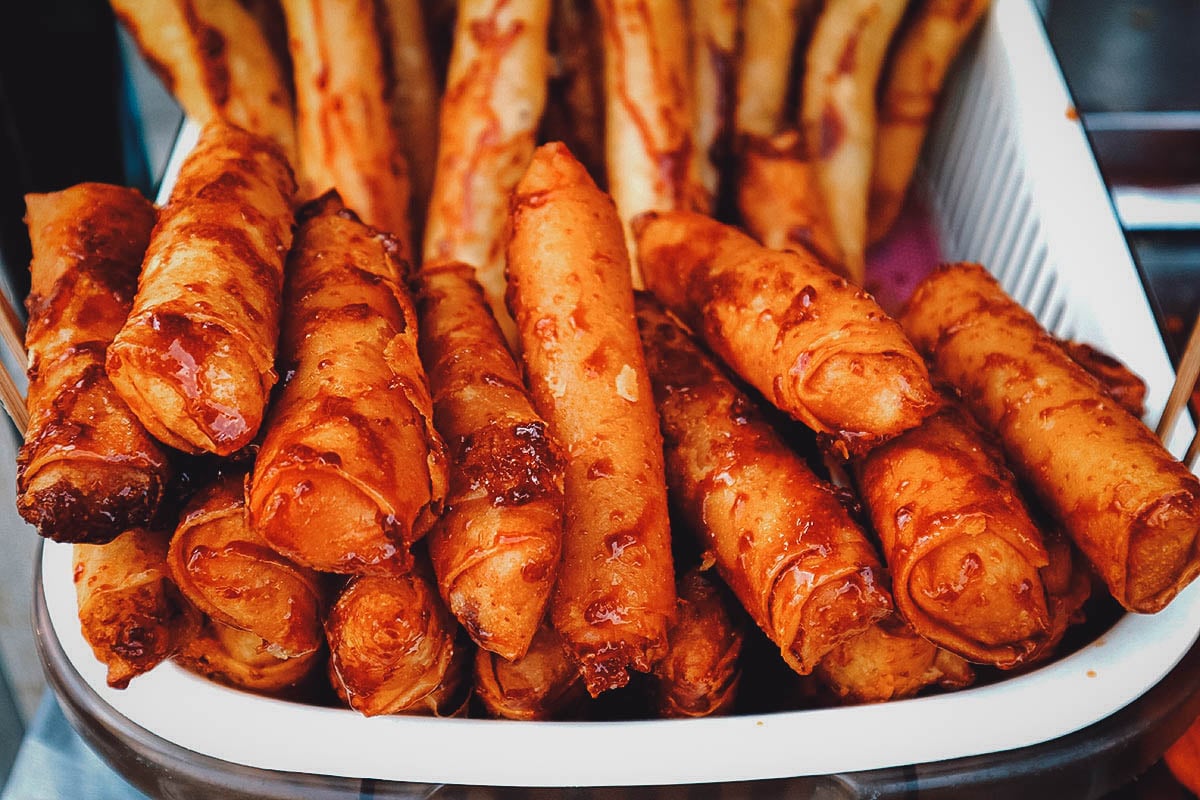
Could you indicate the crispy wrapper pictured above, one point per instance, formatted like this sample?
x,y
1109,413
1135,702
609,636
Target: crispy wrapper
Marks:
x,y
495,94
241,659
712,30
391,643
1126,387
196,358
347,136
817,347
699,675
217,61
231,574
1068,579
88,470
962,550
769,32
569,292
495,551
351,470
781,539
779,200
889,661
924,50
542,684
129,610
837,113
1131,507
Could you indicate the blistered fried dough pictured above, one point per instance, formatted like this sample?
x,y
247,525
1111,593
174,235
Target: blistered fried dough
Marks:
x,y
195,360
391,642
347,138
351,470
129,611
778,197
817,347
769,32
230,573
923,53
889,661
570,295
713,29
837,112
495,94
1117,379
1130,507
495,551
648,114
242,659
699,675
213,57
960,545
87,470
781,539
543,684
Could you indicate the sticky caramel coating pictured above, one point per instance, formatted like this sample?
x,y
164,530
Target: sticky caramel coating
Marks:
x,y
231,574
699,675
570,295
391,642
818,348
130,612
543,684
1131,507
495,94
495,550
195,359
781,539
958,540
241,659
87,470
1118,380
351,470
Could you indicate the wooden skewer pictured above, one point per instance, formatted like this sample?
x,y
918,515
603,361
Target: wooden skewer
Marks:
x,y
1181,392
13,335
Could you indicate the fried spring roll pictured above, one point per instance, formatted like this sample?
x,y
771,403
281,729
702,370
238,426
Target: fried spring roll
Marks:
x,y
230,573
1068,580
88,470
351,470
817,347
570,295
129,611
837,113
1117,379
347,137
699,675
962,550
495,94
195,361
217,61
713,29
496,549
241,659
648,114
923,53
889,661
780,538
769,32
1131,507
391,642
543,684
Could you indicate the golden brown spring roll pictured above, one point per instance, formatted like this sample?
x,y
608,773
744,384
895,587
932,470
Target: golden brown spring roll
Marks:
x,y
699,675
570,295
230,573
495,551
351,470
817,347
347,137
217,61
960,545
924,50
779,200
1131,507
780,538
543,684
495,94
196,358
1068,580
889,661
88,470
837,113
391,642
769,32
648,114
713,30
129,611
241,659
1117,379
